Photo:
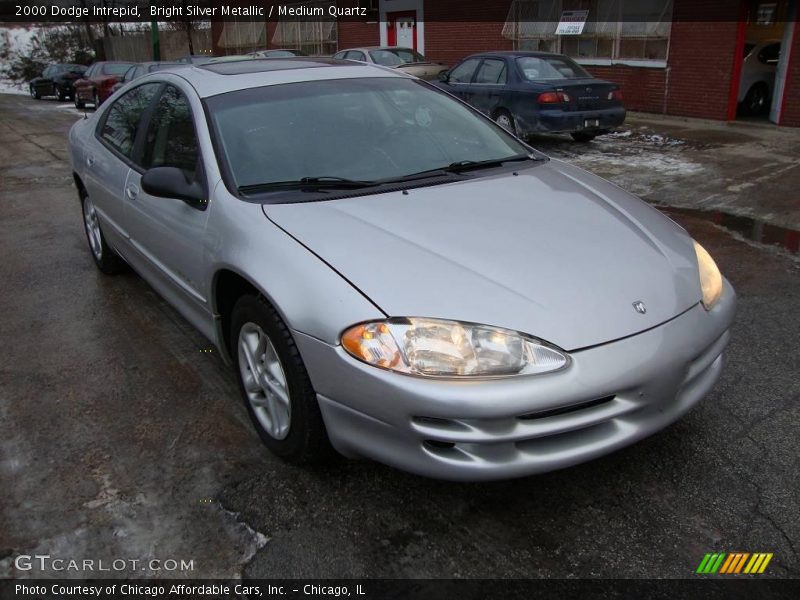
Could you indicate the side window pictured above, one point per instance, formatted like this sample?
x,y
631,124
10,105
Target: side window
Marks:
x,y
171,139
340,55
122,118
90,72
493,71
47,72
463,72
770,54
355,55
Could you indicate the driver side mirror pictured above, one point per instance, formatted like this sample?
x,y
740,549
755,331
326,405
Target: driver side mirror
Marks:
x,y
444,76
171,182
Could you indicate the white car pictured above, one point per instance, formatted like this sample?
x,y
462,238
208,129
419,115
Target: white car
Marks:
x,y
758,75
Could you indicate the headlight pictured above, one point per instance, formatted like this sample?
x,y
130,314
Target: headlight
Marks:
x,y
710,277
439,348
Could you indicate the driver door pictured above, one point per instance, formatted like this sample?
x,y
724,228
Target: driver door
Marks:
x,y
459,80
169,235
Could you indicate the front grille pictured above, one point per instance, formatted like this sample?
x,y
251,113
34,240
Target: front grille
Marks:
x,y
565,409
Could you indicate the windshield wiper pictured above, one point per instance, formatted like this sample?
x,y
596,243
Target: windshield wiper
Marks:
x,y
471,165
307,183
464,165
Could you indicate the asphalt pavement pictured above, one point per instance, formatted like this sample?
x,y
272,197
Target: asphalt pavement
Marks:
x,y
122,436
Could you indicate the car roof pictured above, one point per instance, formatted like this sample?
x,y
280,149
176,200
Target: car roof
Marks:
x,y
220,78
377,48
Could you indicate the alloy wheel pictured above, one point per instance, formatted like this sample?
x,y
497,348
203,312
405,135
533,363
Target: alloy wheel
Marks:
x,y
92,228
505,122
264,381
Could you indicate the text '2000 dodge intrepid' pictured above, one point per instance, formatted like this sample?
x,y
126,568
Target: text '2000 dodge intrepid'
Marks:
x,y
394,275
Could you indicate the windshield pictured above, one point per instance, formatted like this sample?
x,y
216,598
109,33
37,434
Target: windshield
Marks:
x,y
537,68
391,57
115,68
357,129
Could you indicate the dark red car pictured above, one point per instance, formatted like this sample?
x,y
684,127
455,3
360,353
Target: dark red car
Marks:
x,y
98,82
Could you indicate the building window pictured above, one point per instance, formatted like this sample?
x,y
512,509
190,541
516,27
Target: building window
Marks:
x,y
614,29
312,37
240,37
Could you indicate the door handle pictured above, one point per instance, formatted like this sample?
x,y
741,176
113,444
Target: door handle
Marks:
x,y
132,191
89,160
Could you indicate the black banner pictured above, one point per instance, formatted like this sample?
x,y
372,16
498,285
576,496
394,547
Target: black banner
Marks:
x,y
400,589
498,11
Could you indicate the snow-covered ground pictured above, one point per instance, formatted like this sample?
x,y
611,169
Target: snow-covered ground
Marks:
x,y
7,87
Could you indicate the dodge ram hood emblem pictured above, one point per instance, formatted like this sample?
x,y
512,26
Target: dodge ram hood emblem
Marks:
x,y
639,307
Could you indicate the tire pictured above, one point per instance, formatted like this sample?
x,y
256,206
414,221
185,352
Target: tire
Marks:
x,y
96,98
59,93
756,101
35,93
79,104
104,257
506,121
281,400
581,137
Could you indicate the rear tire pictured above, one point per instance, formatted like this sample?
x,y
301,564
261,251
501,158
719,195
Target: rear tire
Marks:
x,y
104,257
275,385
582,137
506,121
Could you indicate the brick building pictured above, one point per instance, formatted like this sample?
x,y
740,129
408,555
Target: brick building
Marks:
x,y
679,57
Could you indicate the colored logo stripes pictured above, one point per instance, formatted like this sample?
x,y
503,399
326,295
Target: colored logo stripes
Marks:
x,y
734,563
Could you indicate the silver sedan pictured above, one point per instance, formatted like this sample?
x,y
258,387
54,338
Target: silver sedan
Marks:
x,y
394,276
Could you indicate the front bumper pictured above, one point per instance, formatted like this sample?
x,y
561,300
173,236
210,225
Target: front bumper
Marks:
x,y
610,396
561,121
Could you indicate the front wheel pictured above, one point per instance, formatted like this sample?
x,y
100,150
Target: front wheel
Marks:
x,y
60,94
35,93
582,137
79,104
756,101
96,100
274,383
104,257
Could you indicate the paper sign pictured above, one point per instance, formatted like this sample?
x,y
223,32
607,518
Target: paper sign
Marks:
x,y
572,22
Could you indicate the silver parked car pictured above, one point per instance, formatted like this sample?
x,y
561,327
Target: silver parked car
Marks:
x,y
757,83
395,57
391,273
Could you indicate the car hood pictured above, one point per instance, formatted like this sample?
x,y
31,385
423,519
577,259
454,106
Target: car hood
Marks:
x,y
553,252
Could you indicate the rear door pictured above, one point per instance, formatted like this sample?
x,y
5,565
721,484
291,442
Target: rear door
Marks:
x,y
168,236
44,85
489,85
109,157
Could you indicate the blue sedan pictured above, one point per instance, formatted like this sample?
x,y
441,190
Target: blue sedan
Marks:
x,y
537,92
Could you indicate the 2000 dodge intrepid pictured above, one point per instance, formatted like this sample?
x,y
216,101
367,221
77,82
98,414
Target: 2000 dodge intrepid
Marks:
x,y
393,274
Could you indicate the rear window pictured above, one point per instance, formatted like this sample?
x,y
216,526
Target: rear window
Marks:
x,y
396,56
115,68
537,68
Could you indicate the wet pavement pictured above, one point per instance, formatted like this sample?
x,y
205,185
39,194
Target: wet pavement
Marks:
x,y
747,169
121,438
